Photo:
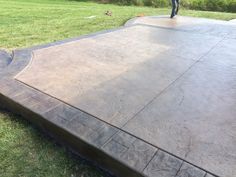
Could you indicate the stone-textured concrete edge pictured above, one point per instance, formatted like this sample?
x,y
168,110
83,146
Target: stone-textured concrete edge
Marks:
x,y
232,21
20,58
109,147
5,59
39,109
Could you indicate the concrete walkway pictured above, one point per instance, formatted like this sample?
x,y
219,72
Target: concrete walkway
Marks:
x,y
157,96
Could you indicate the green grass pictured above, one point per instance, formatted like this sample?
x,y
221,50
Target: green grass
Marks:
x,y
26,23
26,152
210,5
23,150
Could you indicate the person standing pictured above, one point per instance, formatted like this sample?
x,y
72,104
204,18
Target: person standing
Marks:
x,y
175,8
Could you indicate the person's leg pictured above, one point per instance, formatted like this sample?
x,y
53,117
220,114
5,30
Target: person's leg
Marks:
x,y
173,8
177,8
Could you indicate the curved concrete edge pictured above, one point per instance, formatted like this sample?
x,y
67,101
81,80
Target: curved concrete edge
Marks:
x,y
133,21
233,21
21,57
5,59
19,61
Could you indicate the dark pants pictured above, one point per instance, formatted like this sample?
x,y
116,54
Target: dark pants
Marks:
x,y
175,7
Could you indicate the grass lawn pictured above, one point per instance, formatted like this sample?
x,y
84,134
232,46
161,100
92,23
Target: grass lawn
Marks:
x,y
29,22
23,150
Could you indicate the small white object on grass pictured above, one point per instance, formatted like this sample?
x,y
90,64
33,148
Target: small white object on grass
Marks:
x,y
90,17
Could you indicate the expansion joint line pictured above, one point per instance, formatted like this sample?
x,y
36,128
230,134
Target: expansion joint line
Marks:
x,y
189,68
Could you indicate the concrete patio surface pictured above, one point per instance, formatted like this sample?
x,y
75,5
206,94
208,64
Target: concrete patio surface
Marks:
x,y
155,98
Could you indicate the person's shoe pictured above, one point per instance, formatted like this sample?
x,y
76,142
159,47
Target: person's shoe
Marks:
x,y
173,12
177,10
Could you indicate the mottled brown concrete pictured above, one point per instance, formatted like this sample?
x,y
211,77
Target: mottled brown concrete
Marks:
x,y
168,82
195,117
112,76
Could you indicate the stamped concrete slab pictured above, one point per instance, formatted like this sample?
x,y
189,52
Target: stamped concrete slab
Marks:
x,y
112,76
195,117
154,99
